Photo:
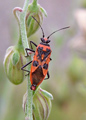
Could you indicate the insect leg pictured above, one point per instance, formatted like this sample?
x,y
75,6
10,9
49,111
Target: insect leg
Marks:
x,y
50,58
29,50
31,42
48,76
22,68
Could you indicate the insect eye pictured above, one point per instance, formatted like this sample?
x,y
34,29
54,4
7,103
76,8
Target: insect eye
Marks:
x,y
42,39
47,41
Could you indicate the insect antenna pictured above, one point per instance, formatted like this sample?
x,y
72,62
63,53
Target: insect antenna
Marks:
x,y
40,26
58,30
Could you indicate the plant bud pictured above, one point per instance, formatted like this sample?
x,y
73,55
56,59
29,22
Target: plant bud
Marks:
x,y
41,104
37,12
12,63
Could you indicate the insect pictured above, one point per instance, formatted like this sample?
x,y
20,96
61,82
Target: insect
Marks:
x,y
41,59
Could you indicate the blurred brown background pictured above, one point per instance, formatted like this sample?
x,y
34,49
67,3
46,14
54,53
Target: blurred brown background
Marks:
x,y
67,69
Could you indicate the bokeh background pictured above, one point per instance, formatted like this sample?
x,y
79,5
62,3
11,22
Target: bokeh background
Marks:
x,y
67,81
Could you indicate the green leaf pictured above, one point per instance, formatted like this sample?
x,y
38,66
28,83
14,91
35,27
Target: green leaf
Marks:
x,y
44,11
47,94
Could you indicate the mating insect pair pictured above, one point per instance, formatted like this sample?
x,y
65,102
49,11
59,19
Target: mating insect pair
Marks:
x,y
41,59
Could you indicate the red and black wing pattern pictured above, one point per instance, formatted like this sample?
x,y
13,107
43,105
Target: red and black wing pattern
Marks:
x,y
39,67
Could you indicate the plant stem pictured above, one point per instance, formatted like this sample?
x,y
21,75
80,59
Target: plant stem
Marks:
x,y
34,2
25,45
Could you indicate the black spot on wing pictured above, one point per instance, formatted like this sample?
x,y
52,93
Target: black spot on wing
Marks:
x,y
48,50
45,66
35,63
40,52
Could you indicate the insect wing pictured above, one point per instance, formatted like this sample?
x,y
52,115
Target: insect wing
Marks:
x,y
46,65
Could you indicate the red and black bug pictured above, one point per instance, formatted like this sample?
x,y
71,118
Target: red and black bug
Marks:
x,y
41,59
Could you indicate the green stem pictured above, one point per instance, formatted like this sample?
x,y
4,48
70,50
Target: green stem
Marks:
x,y
35,2
19,45
25,45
